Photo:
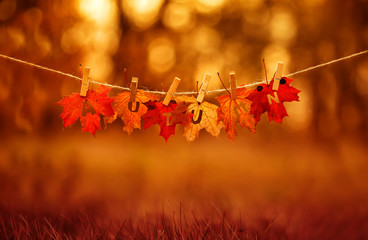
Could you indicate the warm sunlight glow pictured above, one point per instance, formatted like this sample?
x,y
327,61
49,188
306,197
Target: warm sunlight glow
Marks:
x,y
161,55
17,37
210,65
100,11
283,27
178,17
101,64
97,35
302,112
206,39
252,4
117,161
208,6
272,54
142,13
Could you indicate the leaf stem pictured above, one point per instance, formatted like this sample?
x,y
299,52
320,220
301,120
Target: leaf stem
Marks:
x,y
264,66
218,74
163,87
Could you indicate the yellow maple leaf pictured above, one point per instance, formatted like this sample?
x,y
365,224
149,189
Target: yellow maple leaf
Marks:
x,y
204,116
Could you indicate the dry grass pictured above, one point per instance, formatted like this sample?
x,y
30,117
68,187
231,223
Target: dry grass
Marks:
x,y
181,225
74,186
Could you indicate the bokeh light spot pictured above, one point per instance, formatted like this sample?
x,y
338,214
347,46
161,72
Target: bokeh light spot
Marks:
x,y
101,65
208,6
283,27
206,39
161,55
99,11
73,38
106,40
142,13
17,37
178,17
211,65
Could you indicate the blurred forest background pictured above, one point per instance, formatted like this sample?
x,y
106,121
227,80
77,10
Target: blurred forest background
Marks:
x,y
309,173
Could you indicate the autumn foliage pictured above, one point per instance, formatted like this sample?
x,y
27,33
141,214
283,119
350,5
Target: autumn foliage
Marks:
x,y
130,113
166,116
204,117
264,99
245,110
233,111
75,104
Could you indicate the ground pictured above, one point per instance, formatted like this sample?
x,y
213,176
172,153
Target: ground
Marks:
x,y
70,185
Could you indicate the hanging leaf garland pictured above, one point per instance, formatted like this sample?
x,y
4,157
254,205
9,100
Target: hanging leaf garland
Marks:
x,y
73,105
245,110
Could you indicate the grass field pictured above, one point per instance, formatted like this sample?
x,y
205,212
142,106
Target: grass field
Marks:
x,y
266,186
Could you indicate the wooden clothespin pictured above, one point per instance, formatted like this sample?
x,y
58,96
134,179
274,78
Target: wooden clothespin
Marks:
x,y
133,89
171,91
278,75
133,92
233,85
204,86
85,81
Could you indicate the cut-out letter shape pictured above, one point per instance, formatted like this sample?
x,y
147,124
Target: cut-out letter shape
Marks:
x,y
204,117
73,108
158,113
131,119
264,99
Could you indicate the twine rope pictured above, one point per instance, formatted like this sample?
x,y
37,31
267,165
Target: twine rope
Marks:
x,y
180,93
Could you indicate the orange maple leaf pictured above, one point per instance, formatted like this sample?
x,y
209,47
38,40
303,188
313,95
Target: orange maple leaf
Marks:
x,y
236,110
130,113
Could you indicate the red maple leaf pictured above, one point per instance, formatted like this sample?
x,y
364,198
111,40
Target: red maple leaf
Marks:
x,y
90,123
264,99
166,116
73,108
